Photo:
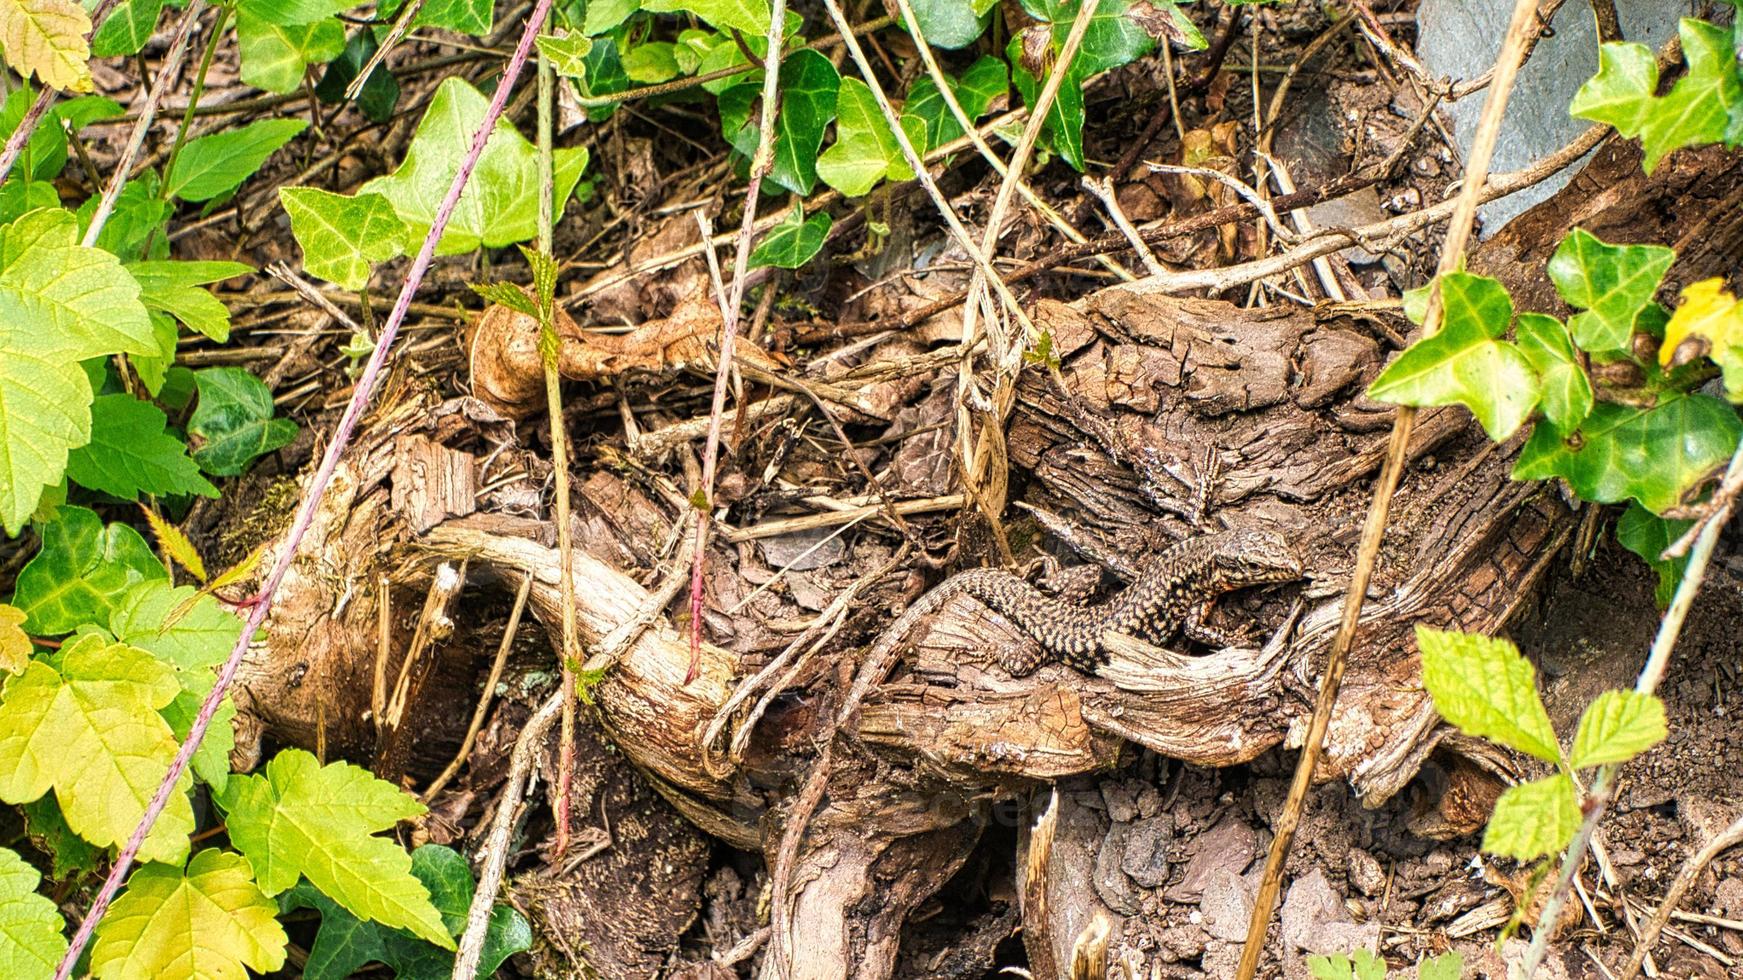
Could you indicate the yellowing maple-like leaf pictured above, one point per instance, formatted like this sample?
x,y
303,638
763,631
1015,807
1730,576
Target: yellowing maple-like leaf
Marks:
x,y
31,940
48,37
14,643
88,728
206,924
1709,322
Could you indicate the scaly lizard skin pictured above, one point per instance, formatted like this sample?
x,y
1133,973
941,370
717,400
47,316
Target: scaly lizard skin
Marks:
x,y
1162,602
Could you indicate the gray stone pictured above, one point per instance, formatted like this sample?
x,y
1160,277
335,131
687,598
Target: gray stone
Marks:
x,y
790,550
1227,906
1308,908
1366,874
1229,846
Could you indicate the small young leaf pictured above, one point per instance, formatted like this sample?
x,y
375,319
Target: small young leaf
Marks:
x,y
304,819
47,38
82,571
219,163
31,940
129,25
567,53
652,62
274,56
1653,455
1612,283
1482,685
1708,321
90,731
793,242
1533,819
508,294
210,921
1647,535
1616,727
342,237
175,544
14,642
1466,363
1567,391
234,420
130,453
1446,966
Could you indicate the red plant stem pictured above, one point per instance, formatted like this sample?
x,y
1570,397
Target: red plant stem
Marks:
x,y
360,396
39,108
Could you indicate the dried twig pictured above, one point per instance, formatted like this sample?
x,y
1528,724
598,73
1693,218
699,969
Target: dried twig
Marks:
x,y
478,713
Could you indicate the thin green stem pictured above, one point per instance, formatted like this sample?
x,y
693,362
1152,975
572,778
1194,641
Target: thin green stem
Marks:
x,y
175,148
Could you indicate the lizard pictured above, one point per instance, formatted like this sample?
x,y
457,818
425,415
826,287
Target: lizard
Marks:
x,y
1167,598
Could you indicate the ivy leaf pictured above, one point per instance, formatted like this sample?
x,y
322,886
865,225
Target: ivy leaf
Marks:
x,y
342,237
1709,322
1063,127
1616,727
345,944
1482,685
130,454
1621,452
603,15
1647,535
293,11
129,25
793,241
652,62
865,149
47,38
1466,363
951,23
1111,39
207,922
500,204
81,572
14,642
1567,391
379,94
1533,819
984,81
234,422
274,56
90,730
219,163
1698,109
172,286
808,93
31,939
466,16
304,819
1612,283
567,52
750,17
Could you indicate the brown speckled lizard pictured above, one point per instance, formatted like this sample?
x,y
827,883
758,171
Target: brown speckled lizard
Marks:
x,y
1167,598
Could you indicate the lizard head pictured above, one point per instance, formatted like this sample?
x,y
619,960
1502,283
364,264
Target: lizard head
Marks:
x,y
1256,557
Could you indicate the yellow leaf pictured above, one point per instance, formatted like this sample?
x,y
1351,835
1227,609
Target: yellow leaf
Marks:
x,y
1709,323
175,544
14,644
239,571
47,37
204,924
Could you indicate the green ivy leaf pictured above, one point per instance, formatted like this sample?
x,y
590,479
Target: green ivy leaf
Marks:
x,y
651,62
1466,363
750,17
1698,109
808,94
793,242
172,286
1567,391
129,25
342,237
1616,727
466,16
345,944
1612,283
1647,535
500,205
379,94
1112,38
130,453
1653,455
865,149
1482,685
566,52
274,56
952,23
207,922
301,818
1533,819
89,729
293,11
82,572
219,163
984,81
234,421
31,939
47,829
1062,129
603,15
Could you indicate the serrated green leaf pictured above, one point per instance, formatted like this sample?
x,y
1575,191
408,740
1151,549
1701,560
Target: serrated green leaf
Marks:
x,y
219,163
500,204
1466,363
274,56
31,939
82,571
793,241
1482,685
90,731
342,237
207,923
1446,966
950,23
47,38
508,294
1698,109
140,221
174,544
1567,391
1612,283
304,819
15,645
379,94
45,152
984,81
130,453
1653,455
129,25
344,944
1533,819
1713,319
1647,535
234,421
466,16
748,16
172,287
1616,727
